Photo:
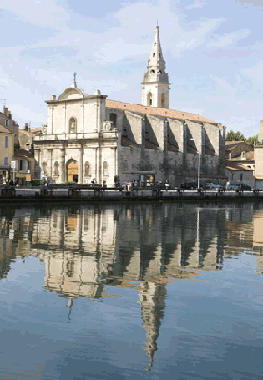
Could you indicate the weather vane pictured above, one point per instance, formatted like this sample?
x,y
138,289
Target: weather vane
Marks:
x,y
74,76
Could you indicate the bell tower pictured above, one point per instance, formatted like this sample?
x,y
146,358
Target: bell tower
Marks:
x,y
155,85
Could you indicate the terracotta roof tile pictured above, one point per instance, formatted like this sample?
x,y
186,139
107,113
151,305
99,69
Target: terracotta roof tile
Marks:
x,y
231,165
209,152
126,142
150,145
164,112
172,148
234,142
191,149
22,153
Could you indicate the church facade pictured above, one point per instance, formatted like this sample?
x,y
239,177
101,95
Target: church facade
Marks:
x,y
89,137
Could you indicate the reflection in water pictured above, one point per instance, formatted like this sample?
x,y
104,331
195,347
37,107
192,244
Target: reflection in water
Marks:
x,y
85,248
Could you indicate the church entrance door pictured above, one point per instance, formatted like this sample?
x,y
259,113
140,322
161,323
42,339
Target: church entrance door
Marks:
x,y
72,171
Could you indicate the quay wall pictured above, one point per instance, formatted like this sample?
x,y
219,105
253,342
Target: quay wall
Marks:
x,y
94,194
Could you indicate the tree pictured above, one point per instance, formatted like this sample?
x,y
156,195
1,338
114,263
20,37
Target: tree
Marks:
x,y
235,136
252,140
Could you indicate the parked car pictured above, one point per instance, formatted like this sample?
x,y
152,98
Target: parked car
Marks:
x,y
232,187
190,186
215,186
243,186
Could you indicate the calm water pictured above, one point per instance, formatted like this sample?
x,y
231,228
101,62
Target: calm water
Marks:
x,y
148,291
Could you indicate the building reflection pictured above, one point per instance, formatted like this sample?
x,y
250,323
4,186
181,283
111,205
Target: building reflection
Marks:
x,y
86,248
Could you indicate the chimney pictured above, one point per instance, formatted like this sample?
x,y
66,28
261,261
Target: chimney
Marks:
x,y
5,110
26,127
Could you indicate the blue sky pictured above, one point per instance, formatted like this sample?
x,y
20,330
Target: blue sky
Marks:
x,y
213,52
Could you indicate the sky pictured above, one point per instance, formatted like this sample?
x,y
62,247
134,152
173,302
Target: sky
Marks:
x,y
213,52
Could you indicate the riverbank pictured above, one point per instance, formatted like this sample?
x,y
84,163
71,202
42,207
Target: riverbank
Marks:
x,y
79,193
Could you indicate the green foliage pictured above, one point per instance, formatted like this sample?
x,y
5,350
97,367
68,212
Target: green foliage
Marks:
x,y
36,182
252,140
70,183
238,136
235,136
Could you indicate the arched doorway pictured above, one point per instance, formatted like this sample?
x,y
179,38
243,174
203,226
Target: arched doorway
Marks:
x,y
72,171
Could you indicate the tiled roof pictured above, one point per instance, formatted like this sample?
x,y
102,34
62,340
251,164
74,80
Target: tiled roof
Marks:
x,y
126,142
3,129
22,153
164,112
191,149
150,145
229,143
231,165
209,151
172,148
35,131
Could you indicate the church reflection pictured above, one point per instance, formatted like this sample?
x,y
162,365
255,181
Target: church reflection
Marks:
x,y
88,248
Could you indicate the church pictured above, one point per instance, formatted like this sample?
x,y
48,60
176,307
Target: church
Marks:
x,y
91,138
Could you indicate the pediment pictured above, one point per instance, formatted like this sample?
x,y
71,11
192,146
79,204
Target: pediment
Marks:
x,y
71,93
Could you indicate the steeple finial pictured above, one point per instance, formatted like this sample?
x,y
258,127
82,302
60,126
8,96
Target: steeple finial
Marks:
x,y
74,84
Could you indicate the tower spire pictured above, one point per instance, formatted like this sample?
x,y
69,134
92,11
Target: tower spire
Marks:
x,y
156,80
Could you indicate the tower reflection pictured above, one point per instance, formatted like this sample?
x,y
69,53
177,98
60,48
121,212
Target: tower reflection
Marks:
x,y
87,248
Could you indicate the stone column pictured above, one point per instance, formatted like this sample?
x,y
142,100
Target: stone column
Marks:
x,y
50,160
81,164
37,170
52,124
184,148
65,120
201,148
96,163
62,173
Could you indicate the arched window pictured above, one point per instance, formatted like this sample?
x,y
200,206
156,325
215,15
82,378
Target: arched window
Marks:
x,y
72,128
87,169
56,168
113,118
149,99
105,169
162,100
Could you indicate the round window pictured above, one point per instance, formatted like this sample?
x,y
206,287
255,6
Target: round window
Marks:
x,y
152,72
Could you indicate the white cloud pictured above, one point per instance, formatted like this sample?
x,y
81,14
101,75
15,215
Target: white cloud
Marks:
x,y
223,85
227,39
254,73
197,37
42,12
196,4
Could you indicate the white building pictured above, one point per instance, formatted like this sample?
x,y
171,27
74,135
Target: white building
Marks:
x,y
88,136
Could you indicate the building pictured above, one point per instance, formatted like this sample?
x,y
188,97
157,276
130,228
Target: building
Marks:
x,y
24,166
239,164
6,153
90,137
259,159
25,138
7,121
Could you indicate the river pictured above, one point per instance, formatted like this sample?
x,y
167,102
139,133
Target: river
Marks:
x,y
131,291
